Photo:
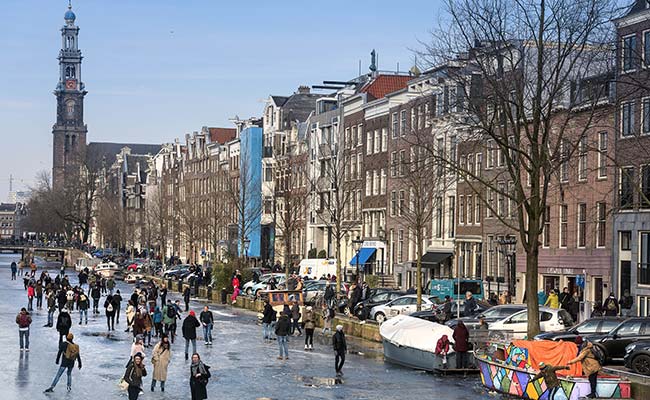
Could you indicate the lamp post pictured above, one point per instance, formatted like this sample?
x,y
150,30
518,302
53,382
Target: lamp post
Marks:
x,y
381,233
356,243
507,244
247,244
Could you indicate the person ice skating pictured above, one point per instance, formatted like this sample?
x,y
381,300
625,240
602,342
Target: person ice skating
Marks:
x,y
130,315
160,357
308,320
109,310
63,324
207,320
23,320
547,372
295,317
148,326
39,294
186,298
328,315
95,293
157,319
267,319
282,330
340,348
117,304
68,354
14,269
461,345
51,307
190,323
590,366
133,376
199,376
83,306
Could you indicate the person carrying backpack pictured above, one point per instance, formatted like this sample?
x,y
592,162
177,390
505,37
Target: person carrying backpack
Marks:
x,y
82,306
169,319
610,305
63,324
591,358
109,309
70,352
23,320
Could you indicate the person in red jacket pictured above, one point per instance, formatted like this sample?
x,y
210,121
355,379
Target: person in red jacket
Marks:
x,y
23,320
442,348
31,292
461,339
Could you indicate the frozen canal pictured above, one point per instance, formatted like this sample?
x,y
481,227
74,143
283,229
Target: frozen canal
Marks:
x,y
243,367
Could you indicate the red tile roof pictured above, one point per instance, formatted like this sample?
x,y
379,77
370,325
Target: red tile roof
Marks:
x,y
384,84
222,135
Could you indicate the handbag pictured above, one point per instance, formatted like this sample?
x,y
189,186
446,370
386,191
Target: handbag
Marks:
x,y
122,384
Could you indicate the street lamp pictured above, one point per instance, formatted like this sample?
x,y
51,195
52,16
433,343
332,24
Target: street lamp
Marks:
x,y
356,243
247,244
506,244
381,233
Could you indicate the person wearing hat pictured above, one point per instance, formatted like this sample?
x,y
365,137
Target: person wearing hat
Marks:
x,y
579,342
340,348
133,375
308,320
68,354
590,366
547,372
190,323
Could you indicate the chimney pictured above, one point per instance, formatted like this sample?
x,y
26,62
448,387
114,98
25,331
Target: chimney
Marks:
x,y
302,89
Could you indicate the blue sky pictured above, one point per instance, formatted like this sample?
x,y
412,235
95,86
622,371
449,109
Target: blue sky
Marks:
x,y
157,69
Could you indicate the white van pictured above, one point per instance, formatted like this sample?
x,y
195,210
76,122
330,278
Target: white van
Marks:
x,y
314,268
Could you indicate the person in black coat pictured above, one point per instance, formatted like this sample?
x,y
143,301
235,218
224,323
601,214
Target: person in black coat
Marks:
x,y
63,324
110,307
267,318
186,298
199,375
340,348
190,323
95,293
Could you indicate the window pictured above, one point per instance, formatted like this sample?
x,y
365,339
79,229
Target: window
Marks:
x,y
461,209
645,116
602,154
393,203
629,53
479,164
582,225
627,119
376,182
470,166
546,238
501,200
402,125
395,127
462,167
601,225
400,246
626,240
440,147
368,183
564,223
382,182
439,217
452,215
353,138
564,162
582,158
645,187
440,104
369,142
384,139
490,151
470,209
69,108
646,46
393,164
359,165
402,162
402,201
490,200
377,141
453,146
626,197
360,135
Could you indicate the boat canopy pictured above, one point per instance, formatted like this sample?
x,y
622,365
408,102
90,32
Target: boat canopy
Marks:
x,y
416,333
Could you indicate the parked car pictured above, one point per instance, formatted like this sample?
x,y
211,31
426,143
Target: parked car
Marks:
x,y
550,320
135,265
637,357
401,305
251,288
133,278
436,314
600,325
316,288
376,300
627,332
177,272
490,315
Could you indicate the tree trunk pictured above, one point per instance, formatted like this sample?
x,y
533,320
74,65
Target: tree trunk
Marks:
x,y
418,249
532,263
338,266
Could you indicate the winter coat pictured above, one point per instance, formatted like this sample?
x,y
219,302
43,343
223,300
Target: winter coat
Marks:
x,y
470,306
66,362
95,293
39,289
23,320
190,323
30,291
308,319
339,343
442,347
461,337
148,323
548,373
110,300
138,325
329,293
198,385
590,364
130,314
295,312
160,359
167,320
266,318
133,375
206,317
83,302
186,295
552,301
610,306
157,316
63,323
283,326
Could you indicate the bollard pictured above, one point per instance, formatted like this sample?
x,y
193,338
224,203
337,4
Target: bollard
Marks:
x,y
224,296
180,286
210,292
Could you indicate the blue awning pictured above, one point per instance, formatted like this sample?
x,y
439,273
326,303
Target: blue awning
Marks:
x,y
364,255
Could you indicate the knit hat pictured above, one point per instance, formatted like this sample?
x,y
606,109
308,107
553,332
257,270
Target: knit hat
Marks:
x,y
578,340
339,327
192,313
70,336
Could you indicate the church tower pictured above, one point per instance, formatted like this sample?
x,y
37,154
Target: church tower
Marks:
x,y
69,131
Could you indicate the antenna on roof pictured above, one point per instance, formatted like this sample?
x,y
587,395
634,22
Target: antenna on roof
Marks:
x,y
359,67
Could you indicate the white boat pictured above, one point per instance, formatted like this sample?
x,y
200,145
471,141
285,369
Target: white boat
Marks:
x,y
83,263
108,269
411,342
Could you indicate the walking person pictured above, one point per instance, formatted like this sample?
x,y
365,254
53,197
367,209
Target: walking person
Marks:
x,y
207,320
14,269
23,320
51,307
160,357
267,319
308,320
69,298
626,302
70,353
590,366
157,321
95,293
130,315
199,376
186,298
31,292
163,296
39,294
340,348
109,310
190,323
117,304
83,306
148,326
169,319
282,331
295,316
21,267
135,371
110,285
328,315
63,324
461,345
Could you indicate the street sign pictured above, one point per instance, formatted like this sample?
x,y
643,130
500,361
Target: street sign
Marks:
x,y
580,281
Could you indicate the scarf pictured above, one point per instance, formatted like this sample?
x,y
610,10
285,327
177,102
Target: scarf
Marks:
x,y
198,368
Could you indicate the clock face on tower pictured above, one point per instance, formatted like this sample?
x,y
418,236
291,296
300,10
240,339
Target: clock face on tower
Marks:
x,y
70,84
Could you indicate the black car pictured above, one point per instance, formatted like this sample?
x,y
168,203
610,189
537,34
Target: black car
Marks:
x,y
437,315
490,314
598,325
637,357
375,299
629,331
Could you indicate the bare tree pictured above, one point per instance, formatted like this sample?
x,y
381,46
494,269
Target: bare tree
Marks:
x,y
40,217
219,211
520,59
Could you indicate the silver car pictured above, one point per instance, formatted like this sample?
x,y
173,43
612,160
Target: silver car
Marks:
x,y
401,305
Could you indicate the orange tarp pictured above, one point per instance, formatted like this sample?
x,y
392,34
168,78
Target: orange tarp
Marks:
x,y
551,353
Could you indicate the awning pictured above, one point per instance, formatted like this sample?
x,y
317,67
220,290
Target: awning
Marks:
x,y
364,255
431,258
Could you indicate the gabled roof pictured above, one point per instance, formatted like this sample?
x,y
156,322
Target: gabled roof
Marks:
x,y
381,85
222,135
637,6
279,100
103,153
132,162
299,105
